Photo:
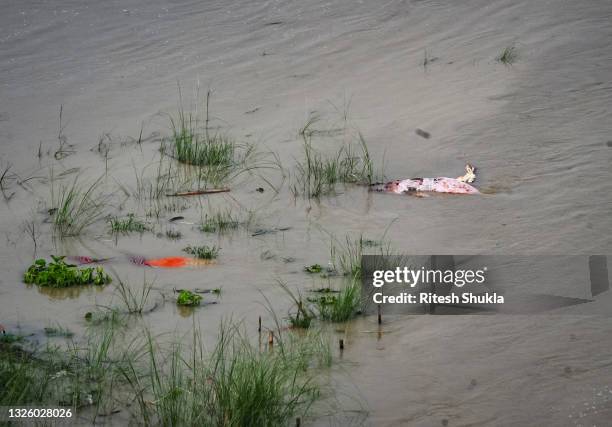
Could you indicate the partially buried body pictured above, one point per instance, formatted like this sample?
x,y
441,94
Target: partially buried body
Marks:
x,y
417,186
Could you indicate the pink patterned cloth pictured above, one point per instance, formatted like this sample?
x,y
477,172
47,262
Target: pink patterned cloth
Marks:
x,y
437,185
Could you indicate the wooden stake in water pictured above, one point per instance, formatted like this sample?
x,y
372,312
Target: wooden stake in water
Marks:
x,y
379,315
298,422
341,344
271,339
259,328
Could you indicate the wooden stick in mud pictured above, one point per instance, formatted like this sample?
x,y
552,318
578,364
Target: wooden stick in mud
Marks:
x,y
198,192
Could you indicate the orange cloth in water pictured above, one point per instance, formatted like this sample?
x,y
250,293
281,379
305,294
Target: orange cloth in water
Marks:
x,y
169,262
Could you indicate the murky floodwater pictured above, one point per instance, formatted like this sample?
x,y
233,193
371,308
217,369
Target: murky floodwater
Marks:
x,y
538,130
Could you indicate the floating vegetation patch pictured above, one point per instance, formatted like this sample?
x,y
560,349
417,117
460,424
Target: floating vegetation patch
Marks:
x,y
203,252
127,225
188,298
58,274
314,268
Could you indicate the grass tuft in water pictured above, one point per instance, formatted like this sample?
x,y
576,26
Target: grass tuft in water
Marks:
x,y
343,305
219,222
303,316
127,225
203,252
134,301
317,174
234,385
508,56
75,208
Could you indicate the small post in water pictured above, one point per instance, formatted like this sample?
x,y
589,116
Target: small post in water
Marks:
x,y
341,344
379,315
259,328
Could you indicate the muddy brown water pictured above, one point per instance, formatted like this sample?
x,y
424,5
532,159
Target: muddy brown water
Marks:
x,y
538,130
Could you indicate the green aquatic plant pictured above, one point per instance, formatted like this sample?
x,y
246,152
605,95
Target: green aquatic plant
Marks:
x,y
314,268
342,306
74,207
188,298
303,316
203,252
193,143
235,384
317,174
58,274
219,222
508,56
58,331
127,225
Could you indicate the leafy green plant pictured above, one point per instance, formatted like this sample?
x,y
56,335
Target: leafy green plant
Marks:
x,y
203,252
127,225
58,274
188,298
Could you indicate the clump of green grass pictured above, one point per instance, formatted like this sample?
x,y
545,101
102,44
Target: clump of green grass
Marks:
x,y
58,331
508,56
10,338
188,298
203,252
75,208
234,385
194,144
219,222
133,301
58,274
173,234
318,175
342,306
127,225
303,315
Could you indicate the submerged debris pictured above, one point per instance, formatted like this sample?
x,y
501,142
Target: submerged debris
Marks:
x,y
262,231
422,133
198,192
